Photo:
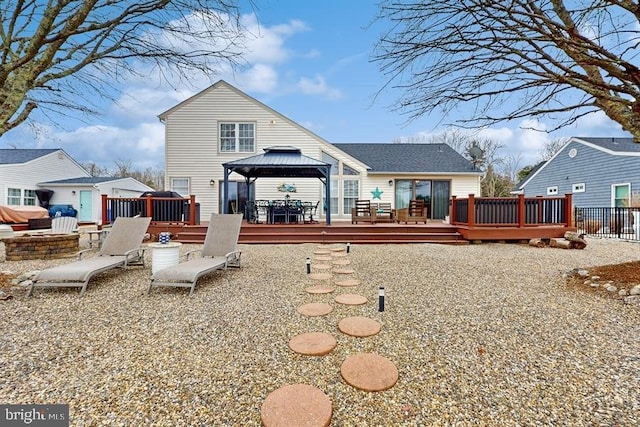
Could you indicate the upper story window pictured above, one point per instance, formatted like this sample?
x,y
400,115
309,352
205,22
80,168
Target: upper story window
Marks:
x,y
346,170
578,188
237,137
327,158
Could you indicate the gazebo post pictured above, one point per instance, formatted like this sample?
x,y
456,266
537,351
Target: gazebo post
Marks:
x,y
225,187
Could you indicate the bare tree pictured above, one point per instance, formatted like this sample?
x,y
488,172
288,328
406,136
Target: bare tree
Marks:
x,y
94,169
514,59
551,148
54,53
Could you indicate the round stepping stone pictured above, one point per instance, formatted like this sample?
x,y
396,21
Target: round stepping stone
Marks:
x,y
313,343
320,276
296,405
321,266
320,289
359,326
338,254
343,271
369,372
322,258
337,249
341,261
321,252
315,309
348,283
351,299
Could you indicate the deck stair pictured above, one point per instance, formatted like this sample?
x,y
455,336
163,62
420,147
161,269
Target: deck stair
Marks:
x,y
336,233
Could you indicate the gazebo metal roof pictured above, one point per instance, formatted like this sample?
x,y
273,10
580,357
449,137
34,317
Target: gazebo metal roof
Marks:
x,y
279,162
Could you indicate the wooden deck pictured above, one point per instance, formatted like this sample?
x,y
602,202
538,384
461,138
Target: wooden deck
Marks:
x,y
381,233
337,232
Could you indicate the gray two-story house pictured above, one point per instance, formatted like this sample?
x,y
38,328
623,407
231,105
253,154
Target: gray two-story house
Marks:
x,y
598,172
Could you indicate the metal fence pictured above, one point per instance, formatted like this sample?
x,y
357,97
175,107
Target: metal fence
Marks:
x,y
620,223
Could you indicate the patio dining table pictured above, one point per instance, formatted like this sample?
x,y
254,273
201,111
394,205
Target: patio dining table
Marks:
x,y
285,211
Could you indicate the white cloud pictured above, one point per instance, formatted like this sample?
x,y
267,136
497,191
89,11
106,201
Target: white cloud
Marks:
x,y
318,86
143,145
261,78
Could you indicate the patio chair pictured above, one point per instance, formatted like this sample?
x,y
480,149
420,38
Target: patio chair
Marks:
x,y
220,251
384,212
121,248
64,225
363,211
416,212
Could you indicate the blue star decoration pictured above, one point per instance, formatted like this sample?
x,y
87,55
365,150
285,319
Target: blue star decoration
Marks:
x,y
377,193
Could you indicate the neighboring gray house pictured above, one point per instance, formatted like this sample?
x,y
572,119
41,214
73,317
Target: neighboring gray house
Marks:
x,y
598,172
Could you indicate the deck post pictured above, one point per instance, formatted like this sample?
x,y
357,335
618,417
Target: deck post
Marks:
x,y
192,211
452,208
568,209
149,206
105,204
471,211
521,211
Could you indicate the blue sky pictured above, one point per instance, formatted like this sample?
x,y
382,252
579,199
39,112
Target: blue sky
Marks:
x,y
309,60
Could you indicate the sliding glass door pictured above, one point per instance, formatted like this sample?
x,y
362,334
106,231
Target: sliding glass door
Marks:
x,y
434,193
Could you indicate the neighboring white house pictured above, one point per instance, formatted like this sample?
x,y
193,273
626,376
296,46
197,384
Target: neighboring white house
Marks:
x,y
222,124
23,171
85,193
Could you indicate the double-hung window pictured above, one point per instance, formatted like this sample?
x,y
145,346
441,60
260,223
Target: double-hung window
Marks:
x,y
180,186
13,196
29,198
237,137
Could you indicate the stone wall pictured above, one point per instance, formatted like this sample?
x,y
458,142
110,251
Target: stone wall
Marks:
x,y
43,246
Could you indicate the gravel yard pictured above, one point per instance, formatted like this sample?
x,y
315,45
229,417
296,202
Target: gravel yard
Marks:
x,y
485,335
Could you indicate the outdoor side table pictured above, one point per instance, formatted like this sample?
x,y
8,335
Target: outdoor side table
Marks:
x,y
164,255
96,237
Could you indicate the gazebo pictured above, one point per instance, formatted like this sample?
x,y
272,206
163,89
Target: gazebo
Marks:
x,y
279,162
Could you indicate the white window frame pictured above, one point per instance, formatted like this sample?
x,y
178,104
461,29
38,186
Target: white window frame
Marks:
x,y
613,192
578,188
14,199
349,200
179,187
29,198
237,137
552,191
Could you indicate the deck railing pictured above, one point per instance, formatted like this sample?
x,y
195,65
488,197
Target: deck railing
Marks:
x,y
517,211
622,223
160,209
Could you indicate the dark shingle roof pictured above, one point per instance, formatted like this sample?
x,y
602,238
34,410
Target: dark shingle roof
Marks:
x,y
83,180
279,161
12,156
415,158
614,144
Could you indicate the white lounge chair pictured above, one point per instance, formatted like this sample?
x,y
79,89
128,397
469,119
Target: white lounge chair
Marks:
x,y
220,251
121,248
